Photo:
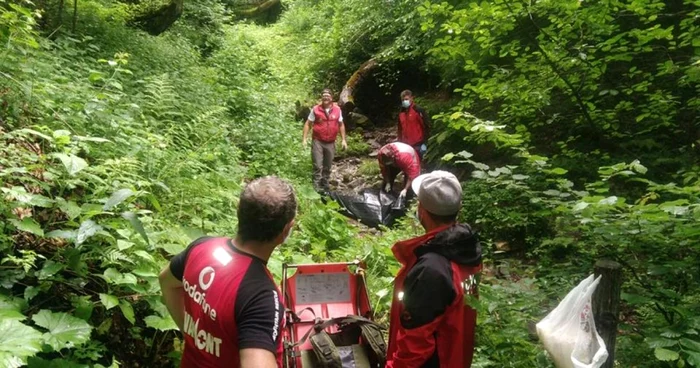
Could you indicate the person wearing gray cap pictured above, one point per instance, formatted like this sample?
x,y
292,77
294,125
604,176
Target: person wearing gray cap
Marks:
x,y
431,324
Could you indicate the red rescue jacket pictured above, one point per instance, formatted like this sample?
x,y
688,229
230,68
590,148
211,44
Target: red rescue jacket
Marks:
x,y
411,126
405,158
447,339
326,127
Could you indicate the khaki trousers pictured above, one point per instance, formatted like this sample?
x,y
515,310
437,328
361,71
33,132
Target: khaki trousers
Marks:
x,y
322,154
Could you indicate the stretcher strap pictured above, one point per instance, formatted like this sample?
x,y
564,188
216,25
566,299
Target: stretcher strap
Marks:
x,y
295,317
320,325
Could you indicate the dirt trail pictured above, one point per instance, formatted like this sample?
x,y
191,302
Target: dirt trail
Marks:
x,y
345,176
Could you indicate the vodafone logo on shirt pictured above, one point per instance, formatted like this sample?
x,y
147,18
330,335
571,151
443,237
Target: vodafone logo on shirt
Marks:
x,y
203,340
197,292
206,278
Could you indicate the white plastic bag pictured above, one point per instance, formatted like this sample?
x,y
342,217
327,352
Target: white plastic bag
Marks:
x,y
568,332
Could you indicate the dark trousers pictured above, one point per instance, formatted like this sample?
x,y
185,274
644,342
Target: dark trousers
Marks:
x,y
322,154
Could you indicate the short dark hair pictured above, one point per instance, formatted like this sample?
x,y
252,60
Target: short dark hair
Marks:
x,y
406,92
443,219
327,90
266,205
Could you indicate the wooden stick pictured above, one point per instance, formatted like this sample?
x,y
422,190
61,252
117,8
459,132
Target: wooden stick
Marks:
x,y
606,305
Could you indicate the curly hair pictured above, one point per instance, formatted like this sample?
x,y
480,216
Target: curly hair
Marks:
x,y
266,206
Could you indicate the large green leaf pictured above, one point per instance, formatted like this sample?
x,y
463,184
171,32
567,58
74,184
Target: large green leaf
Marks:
x,y
11,308
29,225
160,323
127,311
112,276
70,208
87,229
109,301
49,269
660,342
118,197
65,331
17,342
693,358
21,195
72,163
136,223
665,355
691,344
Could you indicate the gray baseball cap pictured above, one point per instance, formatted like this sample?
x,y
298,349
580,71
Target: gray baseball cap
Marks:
x,y
439,192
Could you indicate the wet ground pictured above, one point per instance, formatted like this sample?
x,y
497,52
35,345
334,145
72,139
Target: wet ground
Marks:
x,y
346,176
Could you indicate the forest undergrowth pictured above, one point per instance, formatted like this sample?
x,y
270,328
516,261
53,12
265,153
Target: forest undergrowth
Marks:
x,y
118,148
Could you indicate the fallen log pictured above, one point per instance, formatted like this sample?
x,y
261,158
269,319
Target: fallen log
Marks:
x,y
347,96
255,10
159,20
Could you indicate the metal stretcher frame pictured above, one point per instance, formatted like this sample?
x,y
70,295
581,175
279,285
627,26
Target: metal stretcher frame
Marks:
x,y
315,292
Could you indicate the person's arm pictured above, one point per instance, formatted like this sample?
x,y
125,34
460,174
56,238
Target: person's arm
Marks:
x,y
406,188
383,170
257,358
342,135
307,126
259,317
427,122
428,291
408,163
171,283
173,296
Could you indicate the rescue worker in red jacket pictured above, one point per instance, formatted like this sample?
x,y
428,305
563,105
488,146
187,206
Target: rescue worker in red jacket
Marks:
x,y
414,124
398,157
327,120
220,292
431,324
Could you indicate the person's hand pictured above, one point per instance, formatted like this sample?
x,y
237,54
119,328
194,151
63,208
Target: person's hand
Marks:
x,y
345,144
403,193
303,143
386,187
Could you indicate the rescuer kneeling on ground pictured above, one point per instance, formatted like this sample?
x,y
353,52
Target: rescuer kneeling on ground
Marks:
x,y
431,324
395,158
220,292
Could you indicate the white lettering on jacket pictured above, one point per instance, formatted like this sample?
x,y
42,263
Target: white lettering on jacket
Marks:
x,y
470,284
202,339
276,325
199,297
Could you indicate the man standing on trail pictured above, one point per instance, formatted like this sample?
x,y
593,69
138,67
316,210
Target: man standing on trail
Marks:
x,y
398,157
431,323
220,292
327,121
414,124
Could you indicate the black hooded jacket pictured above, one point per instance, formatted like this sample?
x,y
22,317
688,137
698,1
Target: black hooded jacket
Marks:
x,y
428,286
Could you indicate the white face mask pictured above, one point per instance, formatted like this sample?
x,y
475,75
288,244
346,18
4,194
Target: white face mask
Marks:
x,y
406,103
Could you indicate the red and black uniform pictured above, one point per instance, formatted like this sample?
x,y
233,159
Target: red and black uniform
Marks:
x,y
414,126
231,303
326,124
405,159
431,325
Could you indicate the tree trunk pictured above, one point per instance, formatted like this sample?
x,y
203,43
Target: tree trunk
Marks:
x,y
347,96
606,305
60,12
75,14
160,20
256,10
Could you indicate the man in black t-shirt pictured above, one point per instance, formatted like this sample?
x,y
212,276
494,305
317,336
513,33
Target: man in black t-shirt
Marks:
x,y
220,292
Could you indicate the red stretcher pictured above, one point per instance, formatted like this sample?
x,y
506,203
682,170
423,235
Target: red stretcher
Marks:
x,y
319,292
